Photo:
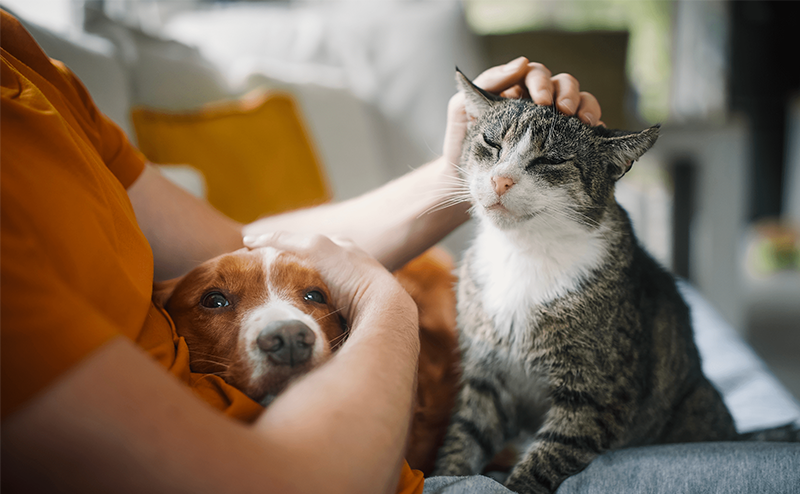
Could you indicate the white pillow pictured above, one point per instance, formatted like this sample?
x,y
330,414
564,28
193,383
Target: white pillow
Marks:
x,y
755,398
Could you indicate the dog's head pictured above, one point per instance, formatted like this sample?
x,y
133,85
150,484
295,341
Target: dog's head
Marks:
x,y
257,318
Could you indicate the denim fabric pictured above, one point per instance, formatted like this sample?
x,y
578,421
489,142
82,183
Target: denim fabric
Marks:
x,y
463,485
699,468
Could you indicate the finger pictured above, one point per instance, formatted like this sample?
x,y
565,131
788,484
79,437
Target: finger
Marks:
x,y
539,84
589,109
343,241
252,241
455,108
514,92
289,241
502,77
567,93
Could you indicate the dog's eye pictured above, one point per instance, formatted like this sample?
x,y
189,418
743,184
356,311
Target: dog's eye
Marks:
x,y
314,296
214,300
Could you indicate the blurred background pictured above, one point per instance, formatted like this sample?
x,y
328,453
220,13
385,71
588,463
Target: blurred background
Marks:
x,y
717,199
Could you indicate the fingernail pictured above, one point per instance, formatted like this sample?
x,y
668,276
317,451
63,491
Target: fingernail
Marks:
x,y
544,97
251,240
514,65
590,118
568,105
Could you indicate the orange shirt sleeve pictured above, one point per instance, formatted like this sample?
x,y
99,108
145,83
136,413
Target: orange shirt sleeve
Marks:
x,y
116,151
56,84
76,269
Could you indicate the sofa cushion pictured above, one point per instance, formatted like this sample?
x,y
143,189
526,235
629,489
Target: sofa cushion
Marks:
x,y
254,153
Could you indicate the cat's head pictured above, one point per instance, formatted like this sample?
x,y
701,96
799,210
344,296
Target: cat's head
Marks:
x,y
524,161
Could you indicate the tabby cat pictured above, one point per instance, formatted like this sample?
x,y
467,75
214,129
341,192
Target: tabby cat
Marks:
x,y
569,329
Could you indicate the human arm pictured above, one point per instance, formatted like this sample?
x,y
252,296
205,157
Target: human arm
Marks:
x,y
182,230
401,219
394,223
118,423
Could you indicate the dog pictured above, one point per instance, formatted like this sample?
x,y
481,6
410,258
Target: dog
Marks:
x,y
262,318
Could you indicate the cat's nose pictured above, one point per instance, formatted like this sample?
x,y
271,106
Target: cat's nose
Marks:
x,y
502,184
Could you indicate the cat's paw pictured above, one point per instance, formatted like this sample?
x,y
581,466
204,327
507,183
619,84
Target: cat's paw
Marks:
x,y
524,484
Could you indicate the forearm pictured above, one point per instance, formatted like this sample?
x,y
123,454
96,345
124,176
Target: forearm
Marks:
x,y
118,422
356,409
394,223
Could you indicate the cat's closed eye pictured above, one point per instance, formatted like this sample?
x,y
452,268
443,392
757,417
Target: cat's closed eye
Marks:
x,y
491,142
485,152
545,161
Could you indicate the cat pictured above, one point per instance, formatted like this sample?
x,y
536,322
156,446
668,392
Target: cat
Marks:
x,y
569,330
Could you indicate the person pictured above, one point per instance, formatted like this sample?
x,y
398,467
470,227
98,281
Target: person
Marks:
x,y
97,395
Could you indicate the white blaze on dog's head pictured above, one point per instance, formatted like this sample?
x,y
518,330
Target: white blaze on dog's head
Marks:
x,y
257,318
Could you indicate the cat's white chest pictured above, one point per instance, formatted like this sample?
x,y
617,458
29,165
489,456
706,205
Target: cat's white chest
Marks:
x,y
521,270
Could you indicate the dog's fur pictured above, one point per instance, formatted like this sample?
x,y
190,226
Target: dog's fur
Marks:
x,y
261,318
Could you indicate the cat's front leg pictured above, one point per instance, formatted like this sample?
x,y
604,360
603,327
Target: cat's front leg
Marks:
x,y
574,433
546,465
478,429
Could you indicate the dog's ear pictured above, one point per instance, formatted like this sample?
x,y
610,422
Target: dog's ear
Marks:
x,y
162,291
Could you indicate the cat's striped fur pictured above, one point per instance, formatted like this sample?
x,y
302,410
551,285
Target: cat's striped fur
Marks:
x,y
569,329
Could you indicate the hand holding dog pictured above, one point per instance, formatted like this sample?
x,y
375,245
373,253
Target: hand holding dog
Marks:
x,y
368,389
359,284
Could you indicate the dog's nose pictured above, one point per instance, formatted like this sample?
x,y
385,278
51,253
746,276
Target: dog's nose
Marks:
x,y
287,342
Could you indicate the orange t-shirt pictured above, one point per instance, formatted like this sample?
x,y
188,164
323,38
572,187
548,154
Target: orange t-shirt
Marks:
x,y
76,269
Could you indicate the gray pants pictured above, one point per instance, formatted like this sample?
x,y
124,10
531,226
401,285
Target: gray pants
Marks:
x,y
699,468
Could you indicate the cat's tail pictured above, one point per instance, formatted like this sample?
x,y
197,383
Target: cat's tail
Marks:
x,y
788,433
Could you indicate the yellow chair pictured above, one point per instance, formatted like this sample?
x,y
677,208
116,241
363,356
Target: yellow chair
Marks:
x,y
254,153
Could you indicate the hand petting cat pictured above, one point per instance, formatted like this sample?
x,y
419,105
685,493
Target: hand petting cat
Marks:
x,y
520,78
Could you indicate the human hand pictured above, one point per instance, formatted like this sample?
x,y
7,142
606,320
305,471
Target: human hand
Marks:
x,y
358,283
521,79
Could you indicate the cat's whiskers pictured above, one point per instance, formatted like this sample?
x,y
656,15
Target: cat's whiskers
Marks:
x,y
570,213
451,188
446,193
445,204
548,220
449,182
454,190
454,181
459,168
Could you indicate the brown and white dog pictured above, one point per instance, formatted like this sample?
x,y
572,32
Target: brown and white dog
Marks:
x,y
261,318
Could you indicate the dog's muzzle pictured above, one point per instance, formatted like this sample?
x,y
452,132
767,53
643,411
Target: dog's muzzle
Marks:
x,y
288,342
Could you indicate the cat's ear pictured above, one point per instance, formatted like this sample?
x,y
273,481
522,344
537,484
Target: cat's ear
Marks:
x,y
476,100
623,148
